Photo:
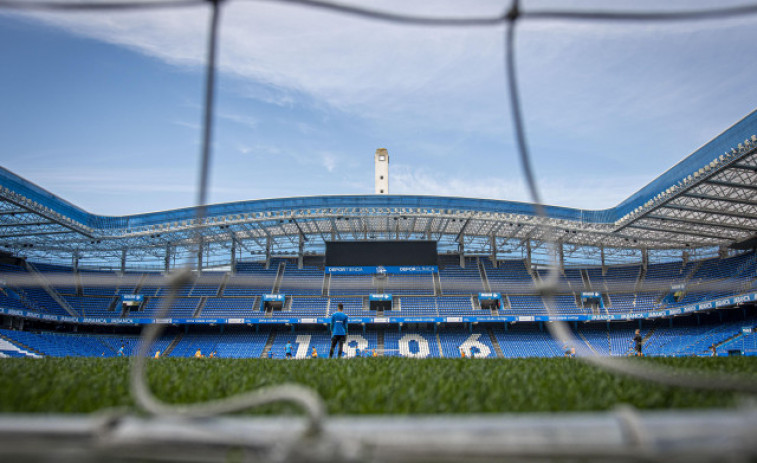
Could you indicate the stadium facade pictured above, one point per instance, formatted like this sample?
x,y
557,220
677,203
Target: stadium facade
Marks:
x,y
682,245
703,204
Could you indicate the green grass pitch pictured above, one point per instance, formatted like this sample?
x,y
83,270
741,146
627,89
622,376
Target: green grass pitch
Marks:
x,y
360,386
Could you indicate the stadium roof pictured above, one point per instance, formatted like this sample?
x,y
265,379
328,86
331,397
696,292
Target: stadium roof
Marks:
x,y
706,201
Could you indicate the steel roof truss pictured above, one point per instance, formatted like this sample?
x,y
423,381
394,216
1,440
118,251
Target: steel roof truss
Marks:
x,y
699,218
411,229
730,184
50,216
39,233
352,228
318,230
743,176
709,225
15,211
716,199
676,231
723,191
705,210
746,167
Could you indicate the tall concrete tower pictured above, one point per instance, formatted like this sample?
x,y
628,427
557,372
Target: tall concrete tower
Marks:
x,y
382,171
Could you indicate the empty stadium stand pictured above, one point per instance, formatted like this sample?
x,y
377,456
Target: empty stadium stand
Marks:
x,y
624,289
309,294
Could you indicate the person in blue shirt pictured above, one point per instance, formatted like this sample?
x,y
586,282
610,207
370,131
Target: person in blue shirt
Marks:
x,y
121,350
270,354
357,352
288,350
338,330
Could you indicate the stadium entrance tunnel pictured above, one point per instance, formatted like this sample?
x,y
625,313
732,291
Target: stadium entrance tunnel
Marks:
x,y
380,302
490,301
271,302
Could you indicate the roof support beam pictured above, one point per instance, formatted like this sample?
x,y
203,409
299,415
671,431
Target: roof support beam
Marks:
x,y
318,230
352,228
720,198
302,233
335,230
707,179
39,233
677,232
699,222
745,167
411,230
744,186
711,211
167,257
429,224
235,239
248,227
444,227
496,229
462,230
25,224
15,211
233,253
42,214
301,251
285,234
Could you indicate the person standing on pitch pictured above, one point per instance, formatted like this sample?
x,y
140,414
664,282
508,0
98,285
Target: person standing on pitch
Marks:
x,y
338,330
637,340
288,350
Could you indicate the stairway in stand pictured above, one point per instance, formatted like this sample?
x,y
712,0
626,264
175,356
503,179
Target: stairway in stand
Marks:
x,y
268,344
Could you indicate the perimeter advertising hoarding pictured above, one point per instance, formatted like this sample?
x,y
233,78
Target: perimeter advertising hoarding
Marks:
x,y
725,302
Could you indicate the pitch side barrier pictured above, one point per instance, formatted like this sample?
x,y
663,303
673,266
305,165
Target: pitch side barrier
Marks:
x,y
687,309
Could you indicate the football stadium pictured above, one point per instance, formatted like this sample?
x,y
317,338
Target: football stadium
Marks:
x,y
477,329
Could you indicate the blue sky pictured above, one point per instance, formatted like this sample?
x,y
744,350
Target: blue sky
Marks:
x,y
104,109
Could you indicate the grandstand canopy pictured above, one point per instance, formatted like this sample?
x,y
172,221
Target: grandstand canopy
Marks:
x,y
705,203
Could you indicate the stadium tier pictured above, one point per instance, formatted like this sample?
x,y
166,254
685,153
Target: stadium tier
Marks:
x,y
311,292
55,344
410,327
685,337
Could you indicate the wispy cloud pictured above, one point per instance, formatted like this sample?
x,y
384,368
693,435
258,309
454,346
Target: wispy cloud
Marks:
x,y
257,149
620,102
362,67
329,161
190,125
585,193
240,119
575,77
132,190
419,181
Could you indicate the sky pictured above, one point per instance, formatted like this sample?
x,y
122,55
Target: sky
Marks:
x,y
104,109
